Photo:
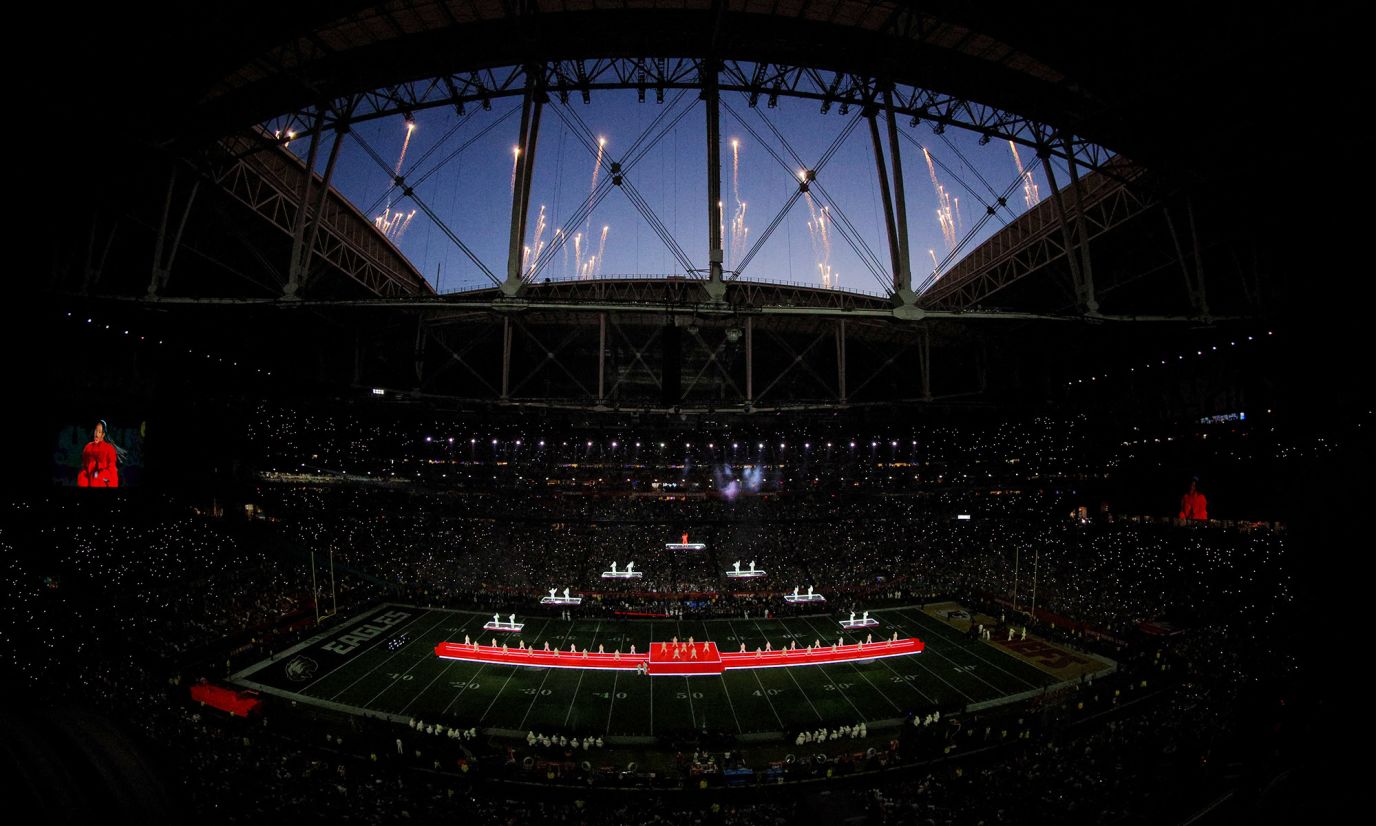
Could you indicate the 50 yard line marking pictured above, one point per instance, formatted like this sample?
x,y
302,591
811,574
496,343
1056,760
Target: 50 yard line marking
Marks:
x,y
616,675
581,672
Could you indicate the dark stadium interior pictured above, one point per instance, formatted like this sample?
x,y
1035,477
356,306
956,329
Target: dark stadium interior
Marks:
x,y
991,460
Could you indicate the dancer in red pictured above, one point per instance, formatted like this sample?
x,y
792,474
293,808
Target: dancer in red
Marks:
x,y
1193,505
98,462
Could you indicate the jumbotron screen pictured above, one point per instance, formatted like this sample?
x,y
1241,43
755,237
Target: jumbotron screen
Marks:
x,y
99,454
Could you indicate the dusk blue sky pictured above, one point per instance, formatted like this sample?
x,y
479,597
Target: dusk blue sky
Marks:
x,y
472,191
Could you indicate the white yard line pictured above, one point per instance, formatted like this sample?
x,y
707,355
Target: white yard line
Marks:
x,y
764,692
579,684
975,652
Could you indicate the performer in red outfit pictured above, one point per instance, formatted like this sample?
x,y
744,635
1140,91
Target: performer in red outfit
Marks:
x,y
98,462
1193,505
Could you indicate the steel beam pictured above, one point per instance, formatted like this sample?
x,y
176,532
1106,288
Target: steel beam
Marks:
x,y
301,262
298,233
163,254
531,105
1091,301
1084,292
716,289
903,289
890,231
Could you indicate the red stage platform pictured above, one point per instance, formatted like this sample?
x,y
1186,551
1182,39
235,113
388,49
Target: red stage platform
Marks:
x,y
238,703
661,661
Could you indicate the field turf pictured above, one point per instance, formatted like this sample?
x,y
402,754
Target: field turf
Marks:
x,y
394,672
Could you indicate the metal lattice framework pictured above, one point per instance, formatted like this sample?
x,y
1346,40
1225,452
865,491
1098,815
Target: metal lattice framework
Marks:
x,y
269,183
565,79
1037,240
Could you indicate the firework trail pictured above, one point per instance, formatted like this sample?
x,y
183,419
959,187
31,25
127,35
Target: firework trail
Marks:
x,y
405,144
405,224
597,165
601,245
393,224
739,231
1030,192
935,263
947,214
515,157
537,244
721,222
582,268
819,234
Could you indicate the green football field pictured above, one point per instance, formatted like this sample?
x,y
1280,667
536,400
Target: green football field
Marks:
x,y
383,663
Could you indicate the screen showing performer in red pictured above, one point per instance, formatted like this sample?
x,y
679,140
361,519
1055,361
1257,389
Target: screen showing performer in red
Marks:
x,y
98,455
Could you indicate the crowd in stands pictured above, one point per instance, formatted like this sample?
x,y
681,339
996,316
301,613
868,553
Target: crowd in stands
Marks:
x,y
118,605
443,549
